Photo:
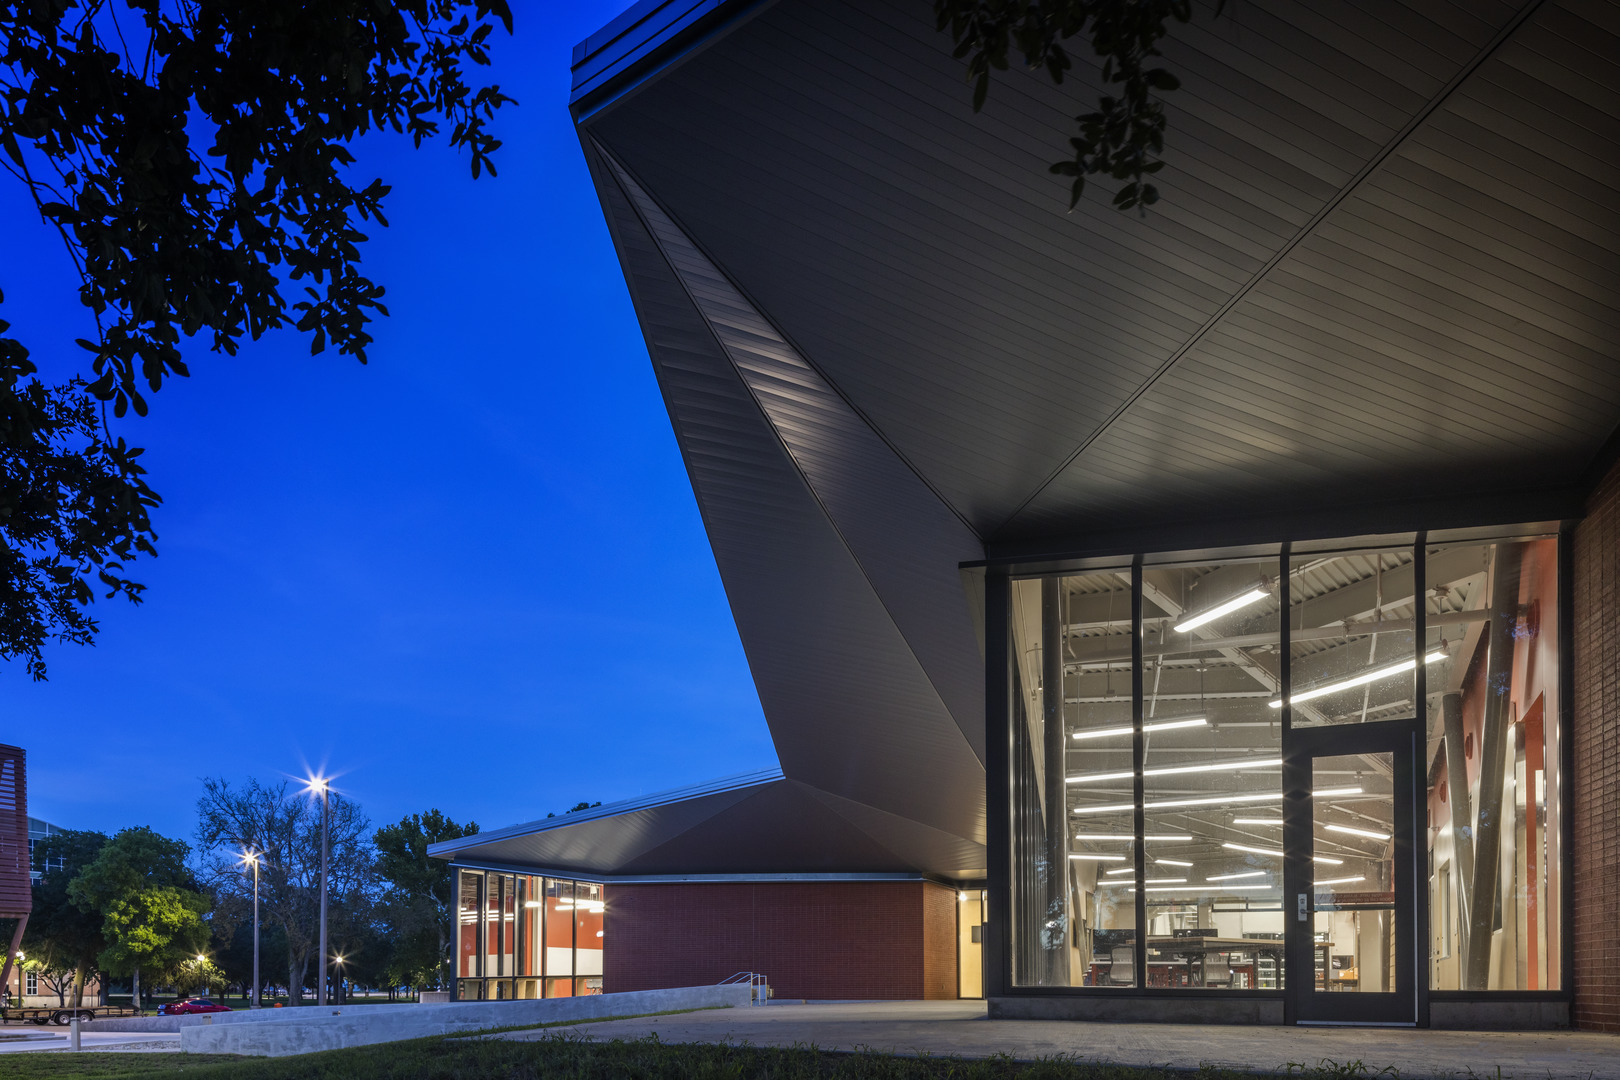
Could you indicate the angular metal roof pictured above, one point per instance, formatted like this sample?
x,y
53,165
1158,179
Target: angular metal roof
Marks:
x,y
1379,295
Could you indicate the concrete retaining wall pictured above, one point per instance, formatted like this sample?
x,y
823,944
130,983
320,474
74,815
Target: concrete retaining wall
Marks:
x,y
296,1031
236,1016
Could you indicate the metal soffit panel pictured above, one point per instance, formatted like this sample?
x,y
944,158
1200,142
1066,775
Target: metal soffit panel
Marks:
x,y
776,826
1456,312
907,541
780,829
601,843
1448,313
850,707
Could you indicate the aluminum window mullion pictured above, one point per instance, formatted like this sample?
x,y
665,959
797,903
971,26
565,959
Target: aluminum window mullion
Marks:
x,y
1138,783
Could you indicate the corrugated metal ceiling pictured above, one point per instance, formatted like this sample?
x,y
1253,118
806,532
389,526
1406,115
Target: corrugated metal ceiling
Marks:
x,y
1445,326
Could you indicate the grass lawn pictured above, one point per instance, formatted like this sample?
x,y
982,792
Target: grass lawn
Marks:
x,y
568,1057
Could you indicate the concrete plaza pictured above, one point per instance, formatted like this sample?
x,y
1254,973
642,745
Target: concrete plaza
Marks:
x,y
961,1029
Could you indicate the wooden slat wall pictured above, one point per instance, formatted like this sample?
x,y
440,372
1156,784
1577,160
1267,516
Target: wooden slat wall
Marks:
x,y
16,887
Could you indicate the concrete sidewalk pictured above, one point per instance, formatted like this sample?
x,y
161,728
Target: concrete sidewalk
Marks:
x,y
56,1039
953,1028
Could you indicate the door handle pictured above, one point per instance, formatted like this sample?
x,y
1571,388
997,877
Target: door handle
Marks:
x,y
1303,905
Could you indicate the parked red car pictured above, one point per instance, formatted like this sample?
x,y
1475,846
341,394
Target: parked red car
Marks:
x,y
191,1005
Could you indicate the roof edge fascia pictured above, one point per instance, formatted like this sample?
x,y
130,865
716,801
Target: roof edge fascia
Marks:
x,y
694,879
1543,508
644,41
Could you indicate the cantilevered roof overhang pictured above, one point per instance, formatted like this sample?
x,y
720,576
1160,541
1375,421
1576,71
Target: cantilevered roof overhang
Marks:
x,y
1379,295
754,824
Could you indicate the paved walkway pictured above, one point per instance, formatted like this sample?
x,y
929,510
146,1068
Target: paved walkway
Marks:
x,y
56,1038
951,1028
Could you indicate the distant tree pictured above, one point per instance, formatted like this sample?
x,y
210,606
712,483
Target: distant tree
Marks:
x,y
581,805
417,905
285,827
193,156
150,907
58,926
192,976
1124,136
52,970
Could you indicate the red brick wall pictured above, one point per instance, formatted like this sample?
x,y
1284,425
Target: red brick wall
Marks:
x,y
1596,828
826,940
939,942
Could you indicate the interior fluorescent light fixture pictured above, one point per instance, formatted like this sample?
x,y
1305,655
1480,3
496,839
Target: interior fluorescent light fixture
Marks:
x,y
1278,853
1126,729
532,903
1127,870
1171,862
1185,889
1338,880
1224,609
1235,877
1219,766
1217,800
1369,833
1152,881
1099,858
1360,680
1257,821
1127,836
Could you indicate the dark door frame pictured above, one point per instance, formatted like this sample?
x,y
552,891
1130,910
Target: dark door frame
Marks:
x,y
1402,739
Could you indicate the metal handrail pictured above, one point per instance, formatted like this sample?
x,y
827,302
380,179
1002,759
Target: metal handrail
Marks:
x,y
759,990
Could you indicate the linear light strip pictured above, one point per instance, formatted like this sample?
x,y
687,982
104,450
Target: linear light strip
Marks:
x,y
1339,880
1151,881
1098,858
1224,609
1184,837
1370,834
1214,889
1278,853
1219,766
1360,680
1147,729
1171,862
1217,800
1234,877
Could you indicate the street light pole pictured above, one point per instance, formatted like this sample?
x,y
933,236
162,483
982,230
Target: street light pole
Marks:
x,y
256,982
326,827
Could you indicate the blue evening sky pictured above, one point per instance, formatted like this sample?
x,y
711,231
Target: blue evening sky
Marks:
x,y
470,575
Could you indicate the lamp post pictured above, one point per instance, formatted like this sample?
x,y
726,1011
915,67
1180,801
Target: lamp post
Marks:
x,y
338,960
253,857
319,786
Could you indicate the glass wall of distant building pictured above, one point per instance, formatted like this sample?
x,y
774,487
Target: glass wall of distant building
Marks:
x,y
1148,741
527,936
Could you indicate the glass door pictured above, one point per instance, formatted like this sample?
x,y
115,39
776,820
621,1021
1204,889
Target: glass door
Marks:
x,y
1351,877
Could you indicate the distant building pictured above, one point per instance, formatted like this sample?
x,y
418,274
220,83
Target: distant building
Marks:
x,y
37,831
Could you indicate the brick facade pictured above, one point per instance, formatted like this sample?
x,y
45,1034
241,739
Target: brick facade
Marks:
x,y
819,940
1596,828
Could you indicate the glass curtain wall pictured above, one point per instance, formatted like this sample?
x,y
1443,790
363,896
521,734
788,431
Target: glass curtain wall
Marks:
x,y
1494,835
1212,775
1165,705
516,936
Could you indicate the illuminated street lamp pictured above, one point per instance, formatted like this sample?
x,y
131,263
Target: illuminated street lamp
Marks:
x,y
338,960
318,785
253,858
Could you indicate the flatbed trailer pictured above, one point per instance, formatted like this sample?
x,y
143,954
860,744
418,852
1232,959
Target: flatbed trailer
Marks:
x,y
62,1015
